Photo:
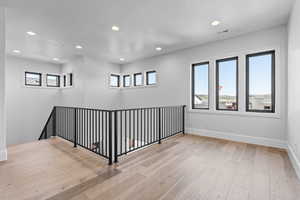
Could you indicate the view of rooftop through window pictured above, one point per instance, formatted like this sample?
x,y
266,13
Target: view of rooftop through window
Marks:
x,y
260,82
33,79
227,84
200,85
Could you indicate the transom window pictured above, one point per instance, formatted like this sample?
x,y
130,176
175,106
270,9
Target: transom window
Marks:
x,y
227,84
53,80
151,77
200,85
114,80
260,82
138,79
33,79
126,81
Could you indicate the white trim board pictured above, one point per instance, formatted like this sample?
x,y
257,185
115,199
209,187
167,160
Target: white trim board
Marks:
x,y
294,159
3,154
238,138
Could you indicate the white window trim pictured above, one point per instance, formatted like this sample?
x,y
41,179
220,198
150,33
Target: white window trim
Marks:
x,y
144,74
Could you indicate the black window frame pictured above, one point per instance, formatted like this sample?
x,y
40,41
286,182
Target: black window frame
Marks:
x,y
70,79
193,84
273,84
134,79
35,73
147,78
124,85
65,80
115,75
236,58
58,80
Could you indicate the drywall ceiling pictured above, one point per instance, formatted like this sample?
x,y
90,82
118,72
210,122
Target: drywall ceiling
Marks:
x,y
144,25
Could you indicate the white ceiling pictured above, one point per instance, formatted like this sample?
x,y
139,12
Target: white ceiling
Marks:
x,y
144,24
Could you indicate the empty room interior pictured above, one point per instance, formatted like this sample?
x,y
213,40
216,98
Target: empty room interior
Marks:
x,y
146,100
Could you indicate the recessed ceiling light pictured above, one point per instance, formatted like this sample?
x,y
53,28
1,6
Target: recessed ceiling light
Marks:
x,y
16,51
55,59
78,47
215,23
31,33
158,48
115,28
122,59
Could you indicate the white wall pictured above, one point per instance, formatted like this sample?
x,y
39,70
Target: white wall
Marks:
x,y
293,86
174,87
28,107
90,83
3,153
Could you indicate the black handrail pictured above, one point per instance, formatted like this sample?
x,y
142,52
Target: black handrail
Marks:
x,y
113,133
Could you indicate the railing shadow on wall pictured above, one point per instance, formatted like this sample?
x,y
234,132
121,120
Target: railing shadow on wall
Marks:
x,y
113,133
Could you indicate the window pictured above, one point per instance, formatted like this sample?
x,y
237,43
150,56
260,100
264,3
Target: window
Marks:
x,y
70,79
126,81
200,86
260,82
33,79
65,80
151,78
227,84
114,80
53,80
138,79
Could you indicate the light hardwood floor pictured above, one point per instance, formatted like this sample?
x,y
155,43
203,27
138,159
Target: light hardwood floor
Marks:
x,y
183,167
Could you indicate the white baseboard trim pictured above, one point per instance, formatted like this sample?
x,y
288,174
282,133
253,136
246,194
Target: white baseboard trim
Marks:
x,y
238,138
3,154
294,159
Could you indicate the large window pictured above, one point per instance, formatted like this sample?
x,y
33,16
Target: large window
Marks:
x,y
53,80
33,79
227,84
138,79
200,86
260,82
114,80
151,77
126,81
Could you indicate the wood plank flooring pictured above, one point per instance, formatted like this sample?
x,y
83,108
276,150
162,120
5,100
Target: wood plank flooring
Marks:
x,y
183,167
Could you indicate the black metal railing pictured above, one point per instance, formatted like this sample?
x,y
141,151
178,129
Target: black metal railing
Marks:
x,y
113,133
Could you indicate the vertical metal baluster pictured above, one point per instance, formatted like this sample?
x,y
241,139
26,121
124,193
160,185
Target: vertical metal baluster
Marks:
x,y
116,136
106,133
130,142
121,132
126,139
75,127
110,139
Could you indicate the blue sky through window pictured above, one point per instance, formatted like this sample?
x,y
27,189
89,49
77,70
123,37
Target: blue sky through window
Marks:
x,y
201,79
227,78
260,75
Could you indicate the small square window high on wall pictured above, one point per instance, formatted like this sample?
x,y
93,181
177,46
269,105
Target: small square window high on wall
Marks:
x,y
151,78
33,79
114,80
138,79
53,80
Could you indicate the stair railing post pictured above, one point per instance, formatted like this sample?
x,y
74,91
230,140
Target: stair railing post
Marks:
x,y
75,127
183,119
116,136
110,156
159,125
54,121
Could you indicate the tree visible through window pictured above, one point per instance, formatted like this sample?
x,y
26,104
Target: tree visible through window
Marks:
x,y
227,84
200,86
260,83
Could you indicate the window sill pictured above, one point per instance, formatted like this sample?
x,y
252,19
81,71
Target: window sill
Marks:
x,y
236,113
